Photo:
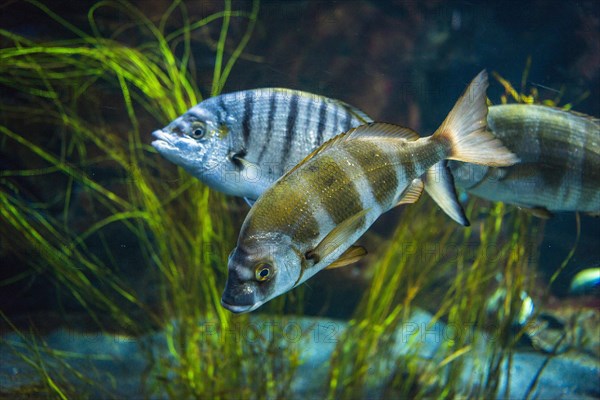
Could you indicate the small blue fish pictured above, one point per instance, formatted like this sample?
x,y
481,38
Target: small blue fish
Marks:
x,y
586,281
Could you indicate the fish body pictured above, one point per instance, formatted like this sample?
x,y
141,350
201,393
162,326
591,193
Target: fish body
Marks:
x,y
240,143
586,280
560,160
310,218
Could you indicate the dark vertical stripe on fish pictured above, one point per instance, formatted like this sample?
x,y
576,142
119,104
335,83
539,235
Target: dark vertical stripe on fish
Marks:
x,y
339,195
555,178
222,108
334,125
378,169
347,124
270,120
322,125
247,118
289,129
590,175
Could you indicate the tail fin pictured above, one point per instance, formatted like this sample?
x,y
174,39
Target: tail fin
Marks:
x,y
465,129
439,184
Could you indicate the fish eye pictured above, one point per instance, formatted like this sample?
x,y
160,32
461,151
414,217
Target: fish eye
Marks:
x,y
198,130
263,272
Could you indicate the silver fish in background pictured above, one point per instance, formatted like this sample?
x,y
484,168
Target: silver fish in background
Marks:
x,y
310,218
240,143
560,161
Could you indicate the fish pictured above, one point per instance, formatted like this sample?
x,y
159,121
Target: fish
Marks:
x,y
585,281
310,218
495,306
559,169
240,143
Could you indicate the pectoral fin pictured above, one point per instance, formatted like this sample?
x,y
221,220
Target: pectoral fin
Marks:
x,y
249,201
238,158
350,256
338,236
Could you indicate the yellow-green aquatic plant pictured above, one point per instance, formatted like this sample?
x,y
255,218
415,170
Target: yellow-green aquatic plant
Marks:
x,y
532,96
497,254
98,95
421,255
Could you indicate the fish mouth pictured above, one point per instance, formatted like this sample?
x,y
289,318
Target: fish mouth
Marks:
x,y
162,139
238,309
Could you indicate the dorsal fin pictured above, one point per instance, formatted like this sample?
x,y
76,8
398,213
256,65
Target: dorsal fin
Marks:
x,y
316,151
357,113
382,130
378,130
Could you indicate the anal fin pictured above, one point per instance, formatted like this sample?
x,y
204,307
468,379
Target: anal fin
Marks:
x,y
439,184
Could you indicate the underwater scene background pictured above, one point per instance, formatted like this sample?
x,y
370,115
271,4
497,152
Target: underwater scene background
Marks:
x,y
114,260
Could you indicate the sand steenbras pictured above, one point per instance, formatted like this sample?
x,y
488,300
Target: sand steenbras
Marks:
x,y
560,160
311,217
240,143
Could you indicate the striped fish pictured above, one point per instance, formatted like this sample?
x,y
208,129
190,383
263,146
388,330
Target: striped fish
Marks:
x,y
560,161
310,218
240,143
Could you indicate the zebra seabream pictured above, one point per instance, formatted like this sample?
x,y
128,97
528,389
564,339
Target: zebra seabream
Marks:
x,y
310,218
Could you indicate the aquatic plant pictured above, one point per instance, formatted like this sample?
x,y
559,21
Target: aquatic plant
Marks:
x,y
453,274
465,264
498,253
98,96
531,95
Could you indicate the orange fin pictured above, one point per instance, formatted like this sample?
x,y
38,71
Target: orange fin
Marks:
x,y
465,129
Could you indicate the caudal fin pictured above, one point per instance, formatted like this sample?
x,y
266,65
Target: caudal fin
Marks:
x,y
465,128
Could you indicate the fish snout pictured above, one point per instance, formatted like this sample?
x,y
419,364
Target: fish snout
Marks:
x,y
159,134
238,296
